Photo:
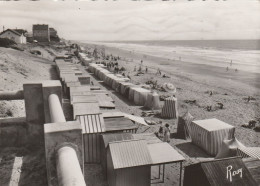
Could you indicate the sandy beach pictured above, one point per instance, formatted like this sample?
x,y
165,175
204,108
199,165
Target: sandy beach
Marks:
x,y
194,81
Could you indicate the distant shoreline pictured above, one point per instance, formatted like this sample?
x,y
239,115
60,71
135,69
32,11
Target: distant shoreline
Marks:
x,y
202,71
239,44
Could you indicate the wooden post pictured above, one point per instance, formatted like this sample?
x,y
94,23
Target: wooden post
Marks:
x,y
180,172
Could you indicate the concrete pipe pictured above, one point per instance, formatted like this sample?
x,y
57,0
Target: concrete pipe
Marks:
x,y
56,112
68,169
11,95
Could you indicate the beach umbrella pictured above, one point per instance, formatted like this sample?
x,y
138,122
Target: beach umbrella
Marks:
x,y
168,87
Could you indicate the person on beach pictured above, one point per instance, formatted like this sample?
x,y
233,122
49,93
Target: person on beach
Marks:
x,y
160,133
141,62
227,68
146,69
167,133
158,72
231,63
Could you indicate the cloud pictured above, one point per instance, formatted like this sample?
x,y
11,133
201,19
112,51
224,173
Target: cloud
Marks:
x,y
125,20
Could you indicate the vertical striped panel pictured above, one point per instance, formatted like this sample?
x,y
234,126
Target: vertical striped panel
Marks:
x,y
169,109
210,141
246,152
92,126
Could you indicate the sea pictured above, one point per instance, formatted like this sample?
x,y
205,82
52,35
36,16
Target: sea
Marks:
x,y
205,44
235,54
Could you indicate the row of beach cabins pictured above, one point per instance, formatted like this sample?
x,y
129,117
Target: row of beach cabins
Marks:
x,y
110,138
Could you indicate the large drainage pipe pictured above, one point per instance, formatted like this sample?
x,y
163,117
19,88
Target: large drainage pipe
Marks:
x,y
11,95
68,168
56,112
67,164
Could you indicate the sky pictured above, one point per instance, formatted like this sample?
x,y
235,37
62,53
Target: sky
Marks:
x,y
137,20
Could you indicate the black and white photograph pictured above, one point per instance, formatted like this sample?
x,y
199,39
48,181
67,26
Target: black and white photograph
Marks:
x,y
130,93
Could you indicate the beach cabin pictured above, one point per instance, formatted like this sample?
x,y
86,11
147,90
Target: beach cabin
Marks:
x,y
106,139
150,138
128,163
230,171
93,125
209,134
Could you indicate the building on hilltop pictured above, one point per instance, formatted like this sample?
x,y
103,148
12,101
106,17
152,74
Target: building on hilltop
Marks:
x,y
41,33
53,35
17,35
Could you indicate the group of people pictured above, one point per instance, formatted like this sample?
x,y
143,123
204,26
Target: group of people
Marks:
x,y
164,133
231,62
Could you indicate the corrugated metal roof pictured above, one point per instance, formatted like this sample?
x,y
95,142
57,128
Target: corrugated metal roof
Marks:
x,y
106,104
92,123
85,108
216,172
162,153
112,137
112,114
119,124
129,154
80,89
150,138
70,78
84,99
104,97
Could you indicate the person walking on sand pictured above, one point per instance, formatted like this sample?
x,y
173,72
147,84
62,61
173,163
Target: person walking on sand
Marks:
x,y
227,68
166,133
146,69
231,63
158,71
160,133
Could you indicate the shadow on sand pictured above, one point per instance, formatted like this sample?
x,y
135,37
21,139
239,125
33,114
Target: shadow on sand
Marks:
x,y
53,73
192,150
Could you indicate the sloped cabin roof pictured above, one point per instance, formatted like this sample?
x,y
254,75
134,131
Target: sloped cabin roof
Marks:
x,y
129,154
112,137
